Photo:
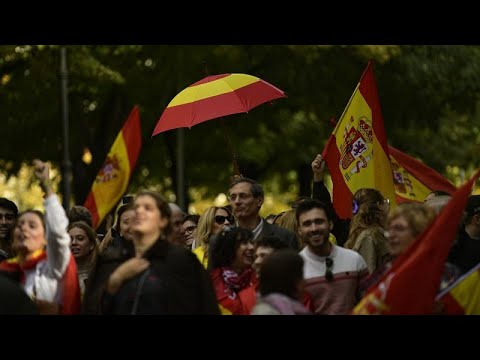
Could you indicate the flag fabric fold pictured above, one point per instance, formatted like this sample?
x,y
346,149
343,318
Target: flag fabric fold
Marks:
x,y
356,153
463,296
112,180
413,179
410,286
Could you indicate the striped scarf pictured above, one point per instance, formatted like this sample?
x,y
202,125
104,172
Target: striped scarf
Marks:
x,y
71,290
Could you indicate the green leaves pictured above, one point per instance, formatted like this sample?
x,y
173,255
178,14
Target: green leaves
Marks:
x,y
428,94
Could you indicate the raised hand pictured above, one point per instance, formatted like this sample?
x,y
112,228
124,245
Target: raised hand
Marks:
x,y
42,173
318,166
126,271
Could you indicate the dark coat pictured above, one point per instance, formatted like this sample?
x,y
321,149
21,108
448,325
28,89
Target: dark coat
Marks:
x,y
14,300
174,283
284,235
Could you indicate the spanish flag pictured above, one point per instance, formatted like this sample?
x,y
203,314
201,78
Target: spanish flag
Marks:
x,y
410,286
356,153
113,178
413,179
463,296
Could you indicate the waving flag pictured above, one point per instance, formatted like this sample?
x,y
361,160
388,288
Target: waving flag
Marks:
x,y
409,287
463,296
413,179
113,178
356,153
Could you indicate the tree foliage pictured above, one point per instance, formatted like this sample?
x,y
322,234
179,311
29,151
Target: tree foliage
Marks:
x,y
429,97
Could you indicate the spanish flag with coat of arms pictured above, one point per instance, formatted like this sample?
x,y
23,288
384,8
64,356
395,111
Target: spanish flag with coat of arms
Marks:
x,y
356,153
414,180
113,178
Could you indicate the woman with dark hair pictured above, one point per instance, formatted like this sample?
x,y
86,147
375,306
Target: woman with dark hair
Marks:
x,y
151,275
281,285
190,224
121,232
84,249
232,258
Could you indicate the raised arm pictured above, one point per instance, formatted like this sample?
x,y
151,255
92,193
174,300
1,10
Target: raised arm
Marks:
x,y
56,222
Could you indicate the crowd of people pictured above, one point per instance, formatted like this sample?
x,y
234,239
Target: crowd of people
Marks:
x,y
157,259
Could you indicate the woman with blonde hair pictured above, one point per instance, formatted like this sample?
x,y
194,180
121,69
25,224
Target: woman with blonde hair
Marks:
x,y
288,221
367,228
212,221
404,224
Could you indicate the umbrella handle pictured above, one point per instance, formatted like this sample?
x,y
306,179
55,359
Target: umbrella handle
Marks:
x,y
236,169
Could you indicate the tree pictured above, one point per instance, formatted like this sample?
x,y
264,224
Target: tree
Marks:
x,y
429,97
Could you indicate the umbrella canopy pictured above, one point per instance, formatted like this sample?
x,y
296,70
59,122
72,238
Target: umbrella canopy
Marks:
x,y
216,96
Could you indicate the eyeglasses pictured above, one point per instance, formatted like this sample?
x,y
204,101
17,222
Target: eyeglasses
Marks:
x,y
387,201
190,229
220,219
328,272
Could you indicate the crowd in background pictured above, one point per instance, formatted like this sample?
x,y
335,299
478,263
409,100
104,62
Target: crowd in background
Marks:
x,y
157,259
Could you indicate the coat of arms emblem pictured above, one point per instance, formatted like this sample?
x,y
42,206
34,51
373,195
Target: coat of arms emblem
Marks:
x,y
356,148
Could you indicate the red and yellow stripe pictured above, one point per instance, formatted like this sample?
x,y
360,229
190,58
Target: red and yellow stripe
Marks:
x,y
463,297
372,169
418,179
216,96
410,286
114,176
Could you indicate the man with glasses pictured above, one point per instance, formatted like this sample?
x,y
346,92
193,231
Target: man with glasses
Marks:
x,y
190,226
332,273
246,198
8,217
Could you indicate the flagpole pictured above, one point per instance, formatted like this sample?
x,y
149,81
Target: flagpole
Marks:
x,y
67,167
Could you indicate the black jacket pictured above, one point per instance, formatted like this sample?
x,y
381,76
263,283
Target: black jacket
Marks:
x,y
174,283
284,235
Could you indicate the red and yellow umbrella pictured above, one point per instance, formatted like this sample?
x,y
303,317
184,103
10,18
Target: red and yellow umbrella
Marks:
x,y
216,96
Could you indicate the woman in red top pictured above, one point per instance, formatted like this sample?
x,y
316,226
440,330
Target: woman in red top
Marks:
x,y
232,273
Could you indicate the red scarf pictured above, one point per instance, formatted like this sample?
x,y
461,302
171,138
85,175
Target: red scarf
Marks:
x,y
235,282
71,288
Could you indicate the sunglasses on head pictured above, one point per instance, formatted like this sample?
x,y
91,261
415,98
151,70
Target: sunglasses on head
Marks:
x,y
220,219
328,272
